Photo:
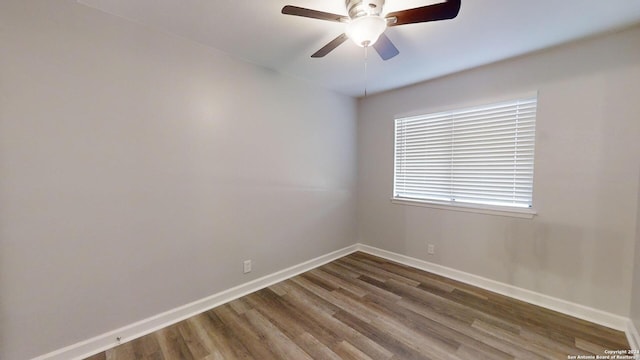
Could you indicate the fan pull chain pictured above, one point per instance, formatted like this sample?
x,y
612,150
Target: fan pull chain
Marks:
x,y
366,53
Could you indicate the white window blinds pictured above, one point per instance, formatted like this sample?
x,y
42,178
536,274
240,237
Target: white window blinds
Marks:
x,y
480,155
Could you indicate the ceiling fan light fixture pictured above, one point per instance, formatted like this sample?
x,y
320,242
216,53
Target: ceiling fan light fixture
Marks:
x,y
367,21
366,30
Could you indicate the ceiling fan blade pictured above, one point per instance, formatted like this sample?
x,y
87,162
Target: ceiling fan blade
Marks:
x,y
314,14
330,46
385,47
442,11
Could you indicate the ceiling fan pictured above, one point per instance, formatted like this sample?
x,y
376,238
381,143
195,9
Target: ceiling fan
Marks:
x,y
366,22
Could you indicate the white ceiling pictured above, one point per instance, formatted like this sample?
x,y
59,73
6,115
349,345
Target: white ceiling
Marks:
x,y
485,31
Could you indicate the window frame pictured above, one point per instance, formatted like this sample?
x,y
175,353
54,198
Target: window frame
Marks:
x,y
498,210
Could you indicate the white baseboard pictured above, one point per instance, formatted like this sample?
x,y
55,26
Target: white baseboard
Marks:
x,y
130,332
108,340
632,336
600,317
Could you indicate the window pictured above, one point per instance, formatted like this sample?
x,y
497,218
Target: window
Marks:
x,y
474,157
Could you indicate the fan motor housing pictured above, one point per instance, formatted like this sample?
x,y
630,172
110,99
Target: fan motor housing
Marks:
x,y
360,8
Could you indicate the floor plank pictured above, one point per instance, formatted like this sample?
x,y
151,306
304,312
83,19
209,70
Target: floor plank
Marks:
x,y
365,307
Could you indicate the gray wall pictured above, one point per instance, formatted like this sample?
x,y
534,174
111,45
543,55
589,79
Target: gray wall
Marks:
x,y
635,288
580,246
139,169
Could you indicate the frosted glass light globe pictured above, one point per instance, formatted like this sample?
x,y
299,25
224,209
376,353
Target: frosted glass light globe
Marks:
x,y
366,30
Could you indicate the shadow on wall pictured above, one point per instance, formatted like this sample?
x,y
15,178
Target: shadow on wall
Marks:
x,y
542,248
618,142
5,249
3,310
266,233
544,256
570,61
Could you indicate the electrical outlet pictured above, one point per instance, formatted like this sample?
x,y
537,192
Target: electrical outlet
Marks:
x,y
431,249
247,266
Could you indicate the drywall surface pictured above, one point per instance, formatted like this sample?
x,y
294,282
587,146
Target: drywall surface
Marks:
x,y
580,245
635,287
139,169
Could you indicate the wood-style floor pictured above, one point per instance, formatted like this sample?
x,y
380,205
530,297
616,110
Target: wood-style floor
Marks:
x,y
364,307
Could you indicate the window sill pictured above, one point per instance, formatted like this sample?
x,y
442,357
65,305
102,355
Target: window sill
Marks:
x,y
473,208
